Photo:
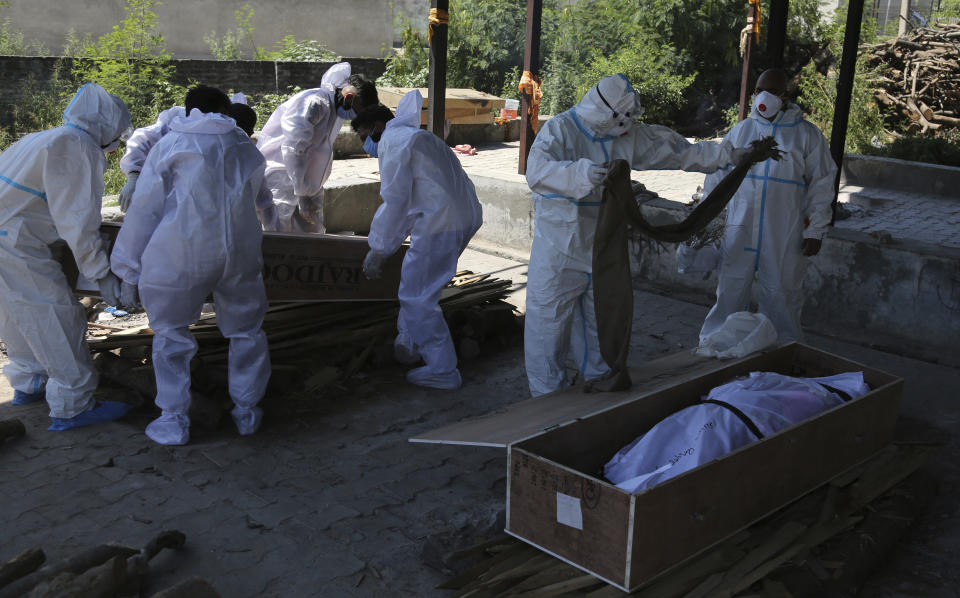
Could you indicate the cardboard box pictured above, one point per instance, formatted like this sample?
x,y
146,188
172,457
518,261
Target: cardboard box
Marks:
x,y
461,106
558,501
297,267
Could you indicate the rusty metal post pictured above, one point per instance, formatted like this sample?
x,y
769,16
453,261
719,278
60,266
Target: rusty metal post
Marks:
x,y
437,86
531,58
841,109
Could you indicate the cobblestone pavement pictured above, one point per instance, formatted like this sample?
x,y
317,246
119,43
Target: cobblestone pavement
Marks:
x,y
336,502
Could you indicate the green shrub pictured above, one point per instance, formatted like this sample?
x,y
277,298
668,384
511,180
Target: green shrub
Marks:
x,y
265,105
410,66
12,42
306,50
818,91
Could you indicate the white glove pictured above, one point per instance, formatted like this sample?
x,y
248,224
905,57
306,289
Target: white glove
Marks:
x,y
372,264
269,218
110,289
129,296
597,173
126,194
311,208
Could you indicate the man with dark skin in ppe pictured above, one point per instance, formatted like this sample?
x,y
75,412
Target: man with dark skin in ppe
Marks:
x,y
778,217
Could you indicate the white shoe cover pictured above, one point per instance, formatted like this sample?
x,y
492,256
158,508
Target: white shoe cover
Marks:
x,y
424,377
248,420
170,429
404,351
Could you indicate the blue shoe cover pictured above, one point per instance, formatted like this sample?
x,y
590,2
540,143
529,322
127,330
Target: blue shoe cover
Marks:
x,y
423,376
248,420
170,429
116,312
25,398
105,411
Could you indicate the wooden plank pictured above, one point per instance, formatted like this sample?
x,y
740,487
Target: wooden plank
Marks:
x,y
532,416
300,267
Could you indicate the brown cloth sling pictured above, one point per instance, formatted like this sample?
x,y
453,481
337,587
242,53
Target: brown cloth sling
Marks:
x,y
612,284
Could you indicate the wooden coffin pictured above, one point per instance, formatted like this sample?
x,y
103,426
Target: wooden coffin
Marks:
x,y
298,267
558,501
461,106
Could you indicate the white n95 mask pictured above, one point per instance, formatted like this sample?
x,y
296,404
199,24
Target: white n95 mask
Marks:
x,y
766,104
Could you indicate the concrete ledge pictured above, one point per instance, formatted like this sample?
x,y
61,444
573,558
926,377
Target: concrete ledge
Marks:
x,y
901,175
507,214
349,204
858,287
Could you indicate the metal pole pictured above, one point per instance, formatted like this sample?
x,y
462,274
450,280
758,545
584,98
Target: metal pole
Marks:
x,y
531,58
777,32
841,110
437,90
745,76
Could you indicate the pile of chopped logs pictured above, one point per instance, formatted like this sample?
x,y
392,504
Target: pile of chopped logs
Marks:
x,y
824,544
342,336
102,571
919,76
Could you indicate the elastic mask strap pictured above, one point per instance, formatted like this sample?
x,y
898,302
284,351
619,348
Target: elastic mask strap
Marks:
x,y
606,103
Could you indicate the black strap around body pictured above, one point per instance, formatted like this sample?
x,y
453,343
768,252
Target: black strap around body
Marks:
x,y
844,395
740,414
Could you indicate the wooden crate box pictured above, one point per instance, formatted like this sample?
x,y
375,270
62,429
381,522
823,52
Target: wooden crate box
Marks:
x,y
558,501
461,106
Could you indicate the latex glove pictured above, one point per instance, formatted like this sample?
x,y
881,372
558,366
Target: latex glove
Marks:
x,y
110,289
129,295
811,247
126,194
373,264
269,218
311,208
597,173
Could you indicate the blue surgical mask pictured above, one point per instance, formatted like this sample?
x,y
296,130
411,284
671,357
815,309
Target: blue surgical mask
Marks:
x,y
370,146
346,114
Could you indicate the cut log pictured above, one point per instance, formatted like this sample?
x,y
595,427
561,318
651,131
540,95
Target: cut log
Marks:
x,y
24,563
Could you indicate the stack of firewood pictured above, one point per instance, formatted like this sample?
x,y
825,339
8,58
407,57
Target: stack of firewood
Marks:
x,y
919,76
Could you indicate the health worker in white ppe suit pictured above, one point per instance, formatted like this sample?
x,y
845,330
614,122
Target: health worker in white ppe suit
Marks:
x,y
778,216
144,138
51,187
297,142
192,231
426,195
565,169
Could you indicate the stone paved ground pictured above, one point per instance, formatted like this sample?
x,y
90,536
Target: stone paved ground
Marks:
x,y
336,502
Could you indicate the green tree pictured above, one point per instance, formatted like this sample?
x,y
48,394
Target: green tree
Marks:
x,y
818,90
409,66
132,62
306,50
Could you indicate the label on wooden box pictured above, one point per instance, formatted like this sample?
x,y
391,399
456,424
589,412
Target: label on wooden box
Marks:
x,y
568,511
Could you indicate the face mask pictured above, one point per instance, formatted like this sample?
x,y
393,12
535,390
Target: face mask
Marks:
x,y
370,146
620,127
766,104
346,114
112,146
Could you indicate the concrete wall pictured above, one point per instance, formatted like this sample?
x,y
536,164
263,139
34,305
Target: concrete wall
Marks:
x,y
349,28
902,294
900,175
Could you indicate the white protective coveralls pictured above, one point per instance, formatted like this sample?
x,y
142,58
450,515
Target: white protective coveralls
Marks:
x,y
144,138
426,195
51,187
297,142
560,323
192,231
707,431
779,204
